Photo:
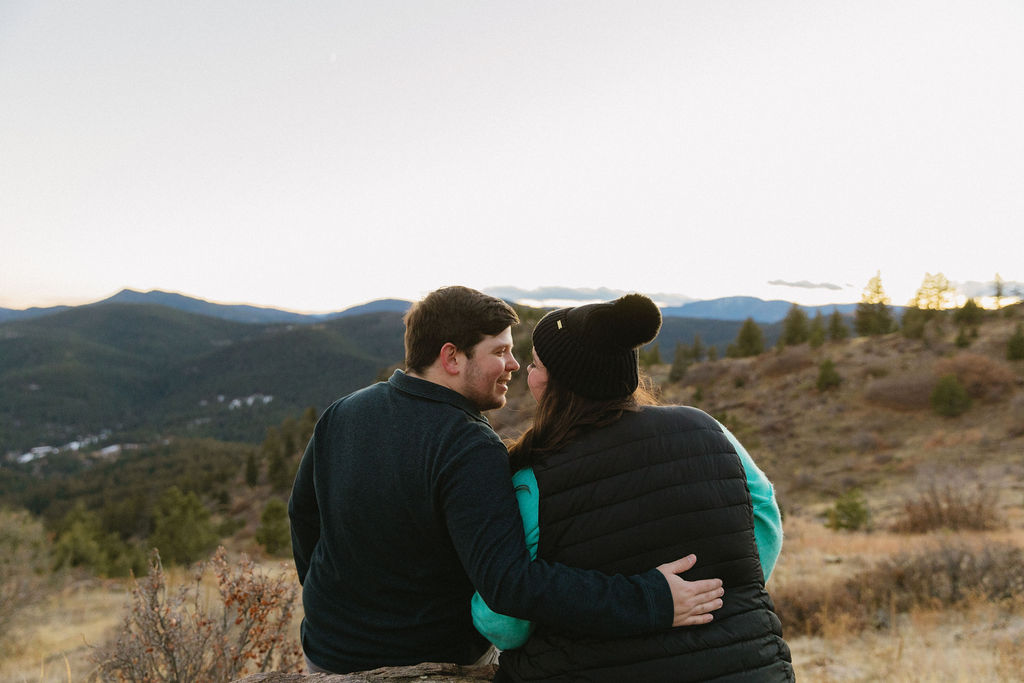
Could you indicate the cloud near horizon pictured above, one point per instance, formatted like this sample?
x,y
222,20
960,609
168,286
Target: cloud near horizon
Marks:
x,y
973,289
804,284
553,295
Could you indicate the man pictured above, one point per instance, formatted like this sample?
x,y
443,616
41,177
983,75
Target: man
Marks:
x,y
403,504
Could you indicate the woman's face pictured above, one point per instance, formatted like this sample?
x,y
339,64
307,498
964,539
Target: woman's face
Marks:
x,y
537,377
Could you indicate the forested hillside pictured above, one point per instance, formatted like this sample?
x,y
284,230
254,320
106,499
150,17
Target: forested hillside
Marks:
x,y
138,371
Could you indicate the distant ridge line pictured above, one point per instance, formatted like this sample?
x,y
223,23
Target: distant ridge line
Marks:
x,y
734,308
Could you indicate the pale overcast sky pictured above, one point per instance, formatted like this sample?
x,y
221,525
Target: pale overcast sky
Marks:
x,y
316,155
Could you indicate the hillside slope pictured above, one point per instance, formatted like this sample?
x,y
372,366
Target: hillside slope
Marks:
x,y
141,369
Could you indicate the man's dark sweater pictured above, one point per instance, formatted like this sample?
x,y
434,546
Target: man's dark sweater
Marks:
x,y
402,504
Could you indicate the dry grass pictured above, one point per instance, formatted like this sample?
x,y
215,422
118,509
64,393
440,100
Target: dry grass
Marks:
x,y
52,641
980,640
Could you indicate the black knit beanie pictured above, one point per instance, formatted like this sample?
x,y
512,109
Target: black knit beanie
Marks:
x,y
592,349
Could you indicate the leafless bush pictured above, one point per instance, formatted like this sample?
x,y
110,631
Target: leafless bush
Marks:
x,y
788,360
169,636
904,391
876,369
945,575
983,377
951,506
704,374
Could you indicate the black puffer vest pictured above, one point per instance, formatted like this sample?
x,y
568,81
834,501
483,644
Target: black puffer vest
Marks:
x,y
655,486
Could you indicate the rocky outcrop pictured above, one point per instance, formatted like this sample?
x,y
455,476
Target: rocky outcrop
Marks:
x,y
428,671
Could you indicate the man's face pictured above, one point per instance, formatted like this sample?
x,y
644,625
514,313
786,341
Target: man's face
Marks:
x,y
487,373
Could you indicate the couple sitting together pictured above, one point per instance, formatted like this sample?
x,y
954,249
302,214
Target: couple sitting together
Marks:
x,y
615,540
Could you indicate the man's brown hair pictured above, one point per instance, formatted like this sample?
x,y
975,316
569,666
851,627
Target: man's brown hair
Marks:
x,y
459,315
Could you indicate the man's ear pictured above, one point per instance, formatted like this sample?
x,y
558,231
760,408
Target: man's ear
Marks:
x,y
452,360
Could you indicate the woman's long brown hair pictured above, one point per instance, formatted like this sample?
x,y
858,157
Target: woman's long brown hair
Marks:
x,y
563,415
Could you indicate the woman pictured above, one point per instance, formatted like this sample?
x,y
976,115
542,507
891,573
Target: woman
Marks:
x,y
607,480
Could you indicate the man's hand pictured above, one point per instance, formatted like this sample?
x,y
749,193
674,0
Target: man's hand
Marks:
x,y
694,601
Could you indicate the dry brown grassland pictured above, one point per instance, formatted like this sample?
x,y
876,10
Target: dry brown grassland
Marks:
x,y
866,605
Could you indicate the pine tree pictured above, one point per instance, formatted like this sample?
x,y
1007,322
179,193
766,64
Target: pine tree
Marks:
x,y
698,351
1015,346
252,470
680,362
816,336
749,341
873,316
934,294
274,533
650,356
970,314
828,377
182,530
913,322
795,329
837,329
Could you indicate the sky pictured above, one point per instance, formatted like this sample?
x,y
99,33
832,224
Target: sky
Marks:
x,y
316,155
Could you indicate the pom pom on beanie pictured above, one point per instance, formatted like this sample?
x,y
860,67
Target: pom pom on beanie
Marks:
x,y
593,349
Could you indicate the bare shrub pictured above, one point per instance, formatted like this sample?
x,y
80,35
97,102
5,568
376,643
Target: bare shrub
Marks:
x,y
983,377
903,391
875,369
172,636
788,360
947,574
950,507
704,374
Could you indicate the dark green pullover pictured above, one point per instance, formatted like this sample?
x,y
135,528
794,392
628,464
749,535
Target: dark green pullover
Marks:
x,y
402,505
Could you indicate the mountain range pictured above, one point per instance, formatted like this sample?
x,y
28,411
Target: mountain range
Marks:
x,y
140,366
726,308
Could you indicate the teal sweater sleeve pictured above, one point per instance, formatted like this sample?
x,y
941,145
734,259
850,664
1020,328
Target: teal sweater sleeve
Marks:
x,y
507,633
767,517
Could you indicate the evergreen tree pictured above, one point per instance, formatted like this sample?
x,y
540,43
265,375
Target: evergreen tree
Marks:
x,y
837,329
873,316
1015,346
252,470
272,443
182,530
274,533
934,294
278,472
970,314
82,542
828,377
795,328
680,362
816,336
913,322
950,397
963,340
749,341
697,351
650,356
306,425
999,292
79,541
712,353
289,437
